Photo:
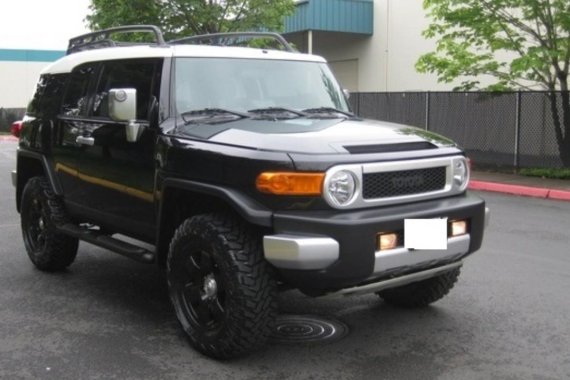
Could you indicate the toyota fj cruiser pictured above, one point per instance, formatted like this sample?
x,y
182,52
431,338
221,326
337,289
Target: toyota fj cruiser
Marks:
x,y
246,171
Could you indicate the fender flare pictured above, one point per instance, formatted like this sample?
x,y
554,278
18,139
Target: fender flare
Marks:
x,y
48,170
248,208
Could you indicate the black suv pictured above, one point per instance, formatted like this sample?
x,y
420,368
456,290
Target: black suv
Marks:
x,y
246,171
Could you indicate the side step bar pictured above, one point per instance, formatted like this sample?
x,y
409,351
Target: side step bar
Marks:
x,y
104,241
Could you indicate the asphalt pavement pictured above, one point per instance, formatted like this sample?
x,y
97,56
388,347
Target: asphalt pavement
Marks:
x,y
109,318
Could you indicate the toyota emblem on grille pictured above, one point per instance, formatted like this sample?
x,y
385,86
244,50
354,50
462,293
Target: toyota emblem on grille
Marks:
x,y
407,181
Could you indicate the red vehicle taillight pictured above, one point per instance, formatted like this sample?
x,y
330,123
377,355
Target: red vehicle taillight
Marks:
x,y
16,128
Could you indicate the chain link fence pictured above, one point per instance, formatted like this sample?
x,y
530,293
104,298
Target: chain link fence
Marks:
x,y
510,130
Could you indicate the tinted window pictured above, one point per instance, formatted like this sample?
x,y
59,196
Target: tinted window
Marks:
x,y
51,99
47,98
137,74
34,105
75,101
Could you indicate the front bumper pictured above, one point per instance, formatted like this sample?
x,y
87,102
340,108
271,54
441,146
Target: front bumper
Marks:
x,y
324,251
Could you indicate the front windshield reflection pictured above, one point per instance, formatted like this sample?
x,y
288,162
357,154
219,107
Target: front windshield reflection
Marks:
x,y
247,84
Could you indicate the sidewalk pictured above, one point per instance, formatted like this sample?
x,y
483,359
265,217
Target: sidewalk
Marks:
x,y
521,185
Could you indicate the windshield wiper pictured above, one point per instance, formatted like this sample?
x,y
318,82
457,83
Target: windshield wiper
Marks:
x,y
212,115
277,111
328,110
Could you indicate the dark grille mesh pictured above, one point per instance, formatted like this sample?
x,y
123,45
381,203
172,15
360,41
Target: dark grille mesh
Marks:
x,y
405,182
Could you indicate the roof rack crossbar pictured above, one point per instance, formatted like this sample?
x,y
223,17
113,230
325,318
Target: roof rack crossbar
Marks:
x,y
102,38
221,39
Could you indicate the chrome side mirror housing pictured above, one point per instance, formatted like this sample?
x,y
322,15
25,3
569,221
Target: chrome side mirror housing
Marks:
x,y
123,107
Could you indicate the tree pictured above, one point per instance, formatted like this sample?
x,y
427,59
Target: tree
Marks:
x,y
522,44
181,18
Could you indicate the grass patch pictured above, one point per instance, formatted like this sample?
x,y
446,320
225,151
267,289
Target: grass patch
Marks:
x,y
546,173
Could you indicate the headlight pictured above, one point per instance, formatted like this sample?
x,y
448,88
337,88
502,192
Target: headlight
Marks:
x,y
460,174
341,188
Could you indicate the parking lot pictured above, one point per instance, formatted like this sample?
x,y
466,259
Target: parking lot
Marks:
x,y
107,317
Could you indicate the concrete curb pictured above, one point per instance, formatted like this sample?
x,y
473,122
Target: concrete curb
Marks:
x,y
527,191
8,138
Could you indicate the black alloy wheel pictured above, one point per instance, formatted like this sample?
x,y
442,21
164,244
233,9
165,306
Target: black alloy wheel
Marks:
x,y
202,291
220,285
41,212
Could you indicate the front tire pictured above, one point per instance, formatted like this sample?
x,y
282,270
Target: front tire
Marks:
x,y
220,285
422,293
41,212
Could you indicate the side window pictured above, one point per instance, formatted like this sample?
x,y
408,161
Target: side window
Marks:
x,y
47,98
35,103
75,100
51,99
137,74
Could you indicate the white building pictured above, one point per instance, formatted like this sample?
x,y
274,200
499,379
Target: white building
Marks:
x,y
372,45
34,33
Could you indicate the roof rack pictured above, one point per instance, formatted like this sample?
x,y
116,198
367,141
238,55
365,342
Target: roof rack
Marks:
x,y
102,38
230,39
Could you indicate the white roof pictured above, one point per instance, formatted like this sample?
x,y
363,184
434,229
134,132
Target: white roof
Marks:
x,y
67,63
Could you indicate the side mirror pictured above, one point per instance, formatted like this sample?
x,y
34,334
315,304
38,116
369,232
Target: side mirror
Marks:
x,y
123,107
346,93
123,104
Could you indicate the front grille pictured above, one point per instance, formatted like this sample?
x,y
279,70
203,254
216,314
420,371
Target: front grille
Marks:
x,y
404,182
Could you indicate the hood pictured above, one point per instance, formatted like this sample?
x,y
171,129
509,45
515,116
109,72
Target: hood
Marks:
x,y
316,136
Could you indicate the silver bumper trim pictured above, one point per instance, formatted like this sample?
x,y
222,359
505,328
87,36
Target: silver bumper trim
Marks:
x,y
300,252
14,178
403,257
395,282
487,217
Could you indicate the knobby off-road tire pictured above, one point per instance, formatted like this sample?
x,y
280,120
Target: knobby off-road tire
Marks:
x,y
220,285
41,212
421,293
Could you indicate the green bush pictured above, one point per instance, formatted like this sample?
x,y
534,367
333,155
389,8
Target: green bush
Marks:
x,y
546,173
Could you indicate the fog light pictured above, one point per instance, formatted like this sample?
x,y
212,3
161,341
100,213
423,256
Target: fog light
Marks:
x,y
458,227
387,241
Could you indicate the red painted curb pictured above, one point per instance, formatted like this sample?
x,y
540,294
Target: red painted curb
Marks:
x,y
527,191
536,192
8,138
560,195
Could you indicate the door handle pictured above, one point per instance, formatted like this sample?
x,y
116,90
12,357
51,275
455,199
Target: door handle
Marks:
x,y
85,140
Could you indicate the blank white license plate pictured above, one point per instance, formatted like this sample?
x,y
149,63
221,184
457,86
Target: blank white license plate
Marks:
x,y
425,233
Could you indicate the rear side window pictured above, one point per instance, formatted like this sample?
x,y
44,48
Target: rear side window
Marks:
x,y
137,74
35,103
75,102
51,99
47,98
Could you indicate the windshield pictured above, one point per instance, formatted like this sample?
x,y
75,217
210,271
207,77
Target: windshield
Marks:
x,y
252,84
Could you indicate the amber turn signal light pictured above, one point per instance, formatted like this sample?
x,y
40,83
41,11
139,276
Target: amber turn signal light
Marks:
x,y
290,183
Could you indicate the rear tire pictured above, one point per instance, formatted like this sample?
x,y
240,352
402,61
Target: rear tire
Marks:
x,y
220,285
41,212
422,293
